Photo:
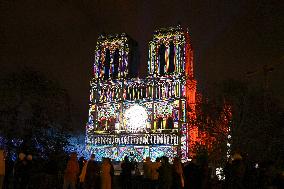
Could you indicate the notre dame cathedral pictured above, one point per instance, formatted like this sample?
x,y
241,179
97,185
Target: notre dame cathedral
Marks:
x,y
142,117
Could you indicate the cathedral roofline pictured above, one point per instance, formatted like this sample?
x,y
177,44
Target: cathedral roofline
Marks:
x,y
114,36
170,29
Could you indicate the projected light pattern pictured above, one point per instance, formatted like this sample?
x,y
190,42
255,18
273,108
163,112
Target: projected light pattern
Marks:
x,y
136,117
142,117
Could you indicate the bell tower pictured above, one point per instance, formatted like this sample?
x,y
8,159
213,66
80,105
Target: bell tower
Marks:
x,y
115,57
170,70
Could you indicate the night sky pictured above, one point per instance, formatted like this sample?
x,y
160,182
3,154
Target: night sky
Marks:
x,y
58,38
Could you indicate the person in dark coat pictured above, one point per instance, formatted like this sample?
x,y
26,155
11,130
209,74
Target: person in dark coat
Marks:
x,y
92,176
126,168
81,163
30,171
20,172
235,173
165,174
178,179
111,171
9,165
106,170
71,172
192,176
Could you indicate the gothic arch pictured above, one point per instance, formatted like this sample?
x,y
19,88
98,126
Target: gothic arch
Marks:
x,y
171,65
162,60
107,65
160,123
115,64
102,124
111,124
170,123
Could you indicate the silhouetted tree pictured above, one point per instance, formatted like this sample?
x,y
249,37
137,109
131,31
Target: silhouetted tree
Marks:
x,y
254,116
34,114
257,121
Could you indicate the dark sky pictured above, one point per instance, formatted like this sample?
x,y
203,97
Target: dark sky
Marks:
x,y
58,38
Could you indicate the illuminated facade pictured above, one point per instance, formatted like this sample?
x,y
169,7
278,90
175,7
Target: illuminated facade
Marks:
x,y
142,117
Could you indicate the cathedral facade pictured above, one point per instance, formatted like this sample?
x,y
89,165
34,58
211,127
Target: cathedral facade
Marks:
x,y
141,117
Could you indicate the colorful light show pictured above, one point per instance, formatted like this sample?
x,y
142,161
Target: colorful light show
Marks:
x,y
141,117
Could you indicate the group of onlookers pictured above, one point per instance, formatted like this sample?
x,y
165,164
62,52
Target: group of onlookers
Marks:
x,y
238,173
21,171
162,174
88,174
92,174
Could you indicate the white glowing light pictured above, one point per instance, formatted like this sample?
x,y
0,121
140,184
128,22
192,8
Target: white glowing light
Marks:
x,y
116,126
135,117
219,173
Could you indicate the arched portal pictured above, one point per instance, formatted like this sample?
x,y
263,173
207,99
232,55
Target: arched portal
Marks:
x,y
171,66
115,64
107,65
162,61
160,123
170,123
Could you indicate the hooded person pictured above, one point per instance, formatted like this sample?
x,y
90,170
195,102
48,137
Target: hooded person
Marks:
x,y
71,172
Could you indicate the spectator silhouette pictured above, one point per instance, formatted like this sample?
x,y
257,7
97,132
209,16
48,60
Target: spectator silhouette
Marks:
x,y
20,172
126,168
178,179
192,176
234,173
147,168
154,173
165,174
81,163
90,174
106,170
71,172
30,171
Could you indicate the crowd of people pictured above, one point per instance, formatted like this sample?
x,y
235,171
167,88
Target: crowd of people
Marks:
x,y
161,174
15,174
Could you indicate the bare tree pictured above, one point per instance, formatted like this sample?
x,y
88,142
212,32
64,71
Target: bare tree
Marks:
x,y
253,119
34,113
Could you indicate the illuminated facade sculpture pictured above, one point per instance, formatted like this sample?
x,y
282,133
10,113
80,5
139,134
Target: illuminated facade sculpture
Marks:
x,y
142,117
